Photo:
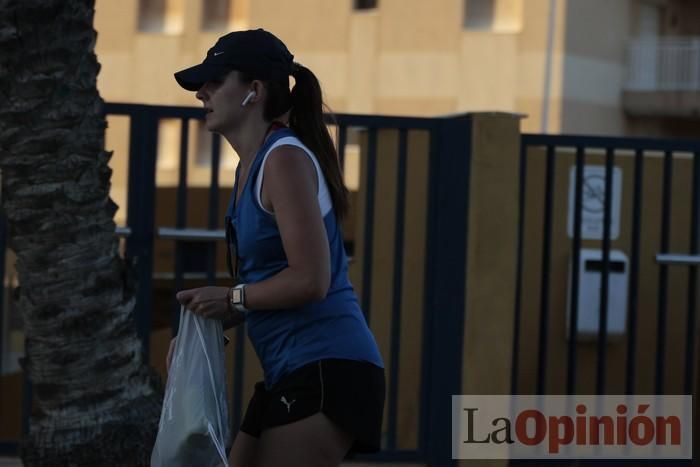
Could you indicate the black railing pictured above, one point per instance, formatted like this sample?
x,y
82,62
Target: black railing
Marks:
x,y
448,159
442,315
551,150
444,283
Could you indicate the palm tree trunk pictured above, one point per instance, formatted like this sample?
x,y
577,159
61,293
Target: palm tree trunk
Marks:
x,y
97,401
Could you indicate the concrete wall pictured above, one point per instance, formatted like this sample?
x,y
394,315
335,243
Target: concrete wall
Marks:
x,y
594,67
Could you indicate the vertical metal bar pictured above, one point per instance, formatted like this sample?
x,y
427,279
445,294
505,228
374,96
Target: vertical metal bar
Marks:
x,y
213,205
180,220
239,350
27,402
398,288
369,223
634,273
10,449
3,245
515,367
425,438
663,272
342,141
238,371
3,311
141,213
575,270
692,280
135,191
605,286
544,285
447,277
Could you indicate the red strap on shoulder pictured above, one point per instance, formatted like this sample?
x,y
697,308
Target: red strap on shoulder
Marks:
x,y
276,125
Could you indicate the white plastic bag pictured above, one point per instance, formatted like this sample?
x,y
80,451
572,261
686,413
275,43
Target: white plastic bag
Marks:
x,y
194,427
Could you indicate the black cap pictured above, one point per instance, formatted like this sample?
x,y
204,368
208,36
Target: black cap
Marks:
x,y
258,52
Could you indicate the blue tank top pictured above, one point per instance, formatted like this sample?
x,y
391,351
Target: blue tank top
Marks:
x,y
286,339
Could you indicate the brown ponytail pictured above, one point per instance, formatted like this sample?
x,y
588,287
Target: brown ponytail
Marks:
x,y
305,106
306,119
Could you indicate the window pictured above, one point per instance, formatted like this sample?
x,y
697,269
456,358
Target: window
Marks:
x,y
216,15
479,14
161,16
493,15
365,4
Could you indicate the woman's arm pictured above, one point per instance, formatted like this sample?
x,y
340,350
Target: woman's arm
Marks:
x,y
291,186
291,190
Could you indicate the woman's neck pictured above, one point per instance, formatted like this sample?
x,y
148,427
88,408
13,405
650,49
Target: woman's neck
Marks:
x,y
247,139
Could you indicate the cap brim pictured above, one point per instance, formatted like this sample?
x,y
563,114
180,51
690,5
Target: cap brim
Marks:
x,y
194,77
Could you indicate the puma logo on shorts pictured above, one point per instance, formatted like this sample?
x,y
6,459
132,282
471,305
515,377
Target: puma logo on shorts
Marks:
x,y
288,404
349,392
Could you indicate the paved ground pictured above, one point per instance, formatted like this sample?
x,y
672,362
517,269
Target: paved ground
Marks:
x,y
15,462
359,464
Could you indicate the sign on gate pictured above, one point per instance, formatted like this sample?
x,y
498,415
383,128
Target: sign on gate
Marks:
x,y
593,202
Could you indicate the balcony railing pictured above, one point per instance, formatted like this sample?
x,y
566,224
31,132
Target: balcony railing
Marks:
x,y
664,64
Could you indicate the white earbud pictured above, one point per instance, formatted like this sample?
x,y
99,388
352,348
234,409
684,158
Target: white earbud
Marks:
x,y
247,99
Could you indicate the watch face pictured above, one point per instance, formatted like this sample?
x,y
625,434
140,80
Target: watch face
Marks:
x,y
236,296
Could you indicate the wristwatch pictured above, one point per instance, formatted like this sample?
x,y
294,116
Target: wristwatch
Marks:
x,y
236,297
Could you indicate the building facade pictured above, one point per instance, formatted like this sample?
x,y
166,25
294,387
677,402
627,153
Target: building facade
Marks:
x,y
571,66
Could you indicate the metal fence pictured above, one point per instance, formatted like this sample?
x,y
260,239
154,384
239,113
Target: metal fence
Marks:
x,y
651,200
443,280
661,233
446,160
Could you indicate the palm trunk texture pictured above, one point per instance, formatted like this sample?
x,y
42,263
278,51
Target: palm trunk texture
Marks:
x,y
96,402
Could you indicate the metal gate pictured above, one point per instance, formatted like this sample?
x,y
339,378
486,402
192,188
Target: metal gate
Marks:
x,y
404,237
396,285
392,149
623,212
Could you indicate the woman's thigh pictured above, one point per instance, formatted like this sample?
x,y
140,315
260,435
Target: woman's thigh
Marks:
x,y
244,452
314,441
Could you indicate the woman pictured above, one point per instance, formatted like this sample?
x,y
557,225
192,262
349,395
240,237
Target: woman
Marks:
x,y
323,393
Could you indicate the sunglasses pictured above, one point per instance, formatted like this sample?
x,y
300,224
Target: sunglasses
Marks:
x,y
231,249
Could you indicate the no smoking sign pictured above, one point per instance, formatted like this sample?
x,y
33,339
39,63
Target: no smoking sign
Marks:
x,y
593,202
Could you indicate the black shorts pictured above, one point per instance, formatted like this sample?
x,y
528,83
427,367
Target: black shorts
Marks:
x,y
350,393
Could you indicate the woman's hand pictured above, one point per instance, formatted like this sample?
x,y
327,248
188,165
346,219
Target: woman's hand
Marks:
x,y
208,302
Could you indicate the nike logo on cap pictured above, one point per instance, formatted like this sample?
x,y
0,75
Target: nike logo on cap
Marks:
x,y
217,53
